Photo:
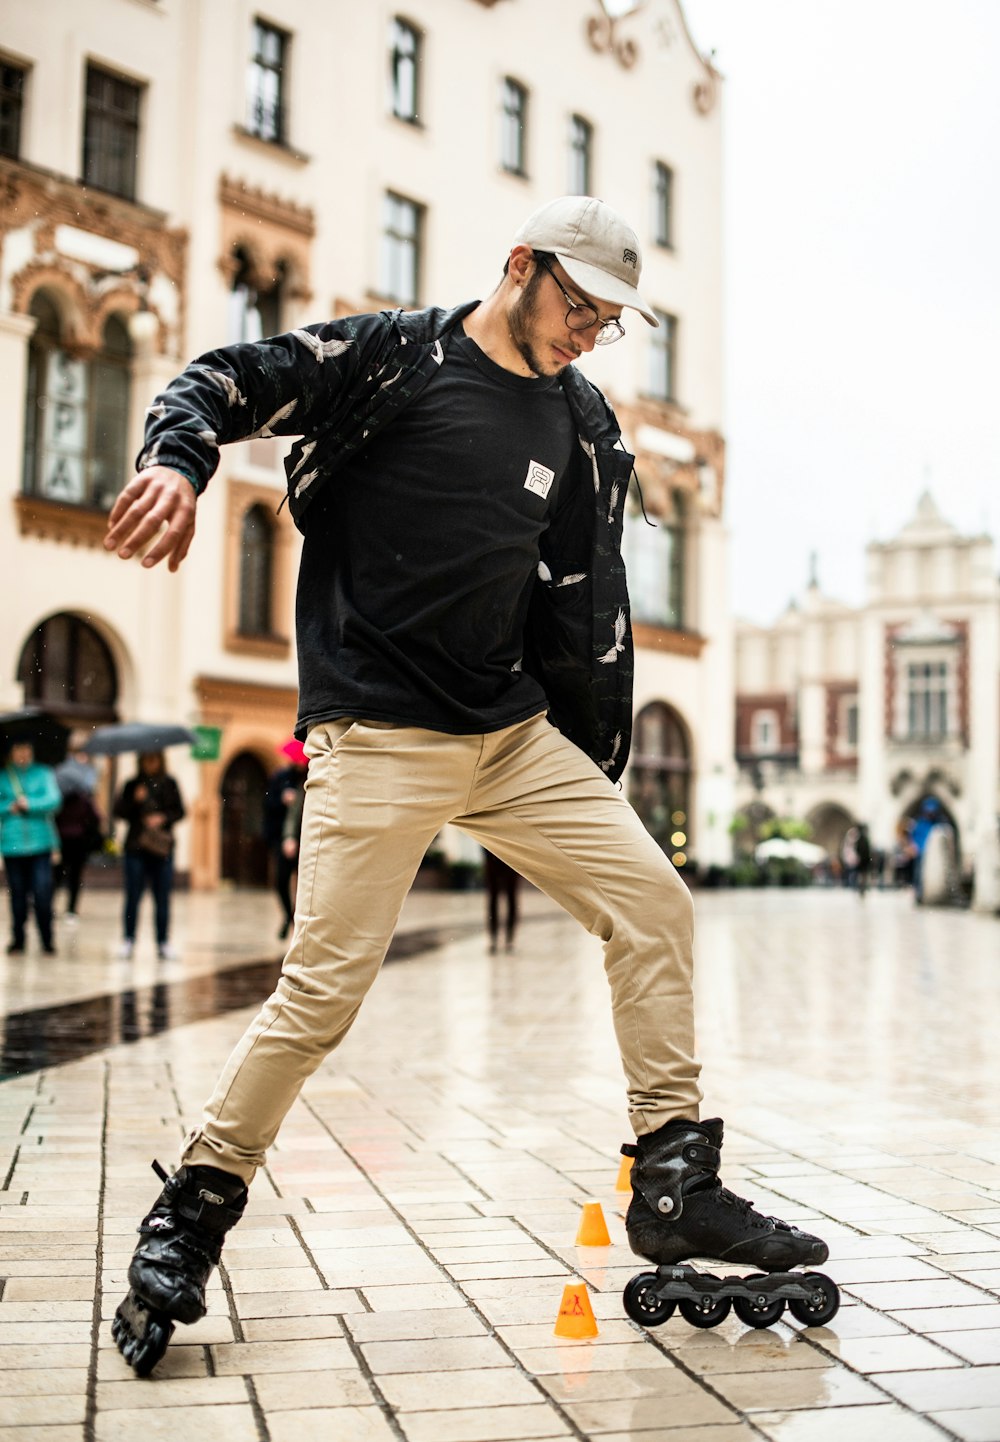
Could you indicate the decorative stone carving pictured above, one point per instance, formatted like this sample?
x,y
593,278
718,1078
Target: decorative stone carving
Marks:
x,y
35,204
274,234
602,32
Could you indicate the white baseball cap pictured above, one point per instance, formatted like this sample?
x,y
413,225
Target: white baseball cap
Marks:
x,y
596,248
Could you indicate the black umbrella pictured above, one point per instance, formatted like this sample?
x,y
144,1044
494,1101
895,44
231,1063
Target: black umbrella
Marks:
x,y
47,735
140,736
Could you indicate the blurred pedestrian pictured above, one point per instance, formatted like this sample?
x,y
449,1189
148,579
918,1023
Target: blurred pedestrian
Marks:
x,y
29,799
151,805
79,823
285,790
863,855
928,816
849,857
502,883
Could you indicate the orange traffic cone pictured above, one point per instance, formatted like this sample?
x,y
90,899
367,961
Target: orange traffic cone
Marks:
x,y
593,1230
576,1315
624,1182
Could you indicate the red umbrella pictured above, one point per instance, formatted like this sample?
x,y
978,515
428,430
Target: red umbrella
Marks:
x,y
295,751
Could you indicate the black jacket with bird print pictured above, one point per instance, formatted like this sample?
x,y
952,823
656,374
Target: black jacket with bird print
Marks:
x,y
335,385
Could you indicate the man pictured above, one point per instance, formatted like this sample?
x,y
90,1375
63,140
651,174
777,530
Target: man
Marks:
x,y
460,488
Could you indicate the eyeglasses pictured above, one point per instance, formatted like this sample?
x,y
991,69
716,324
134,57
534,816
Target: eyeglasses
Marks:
x,y
582,317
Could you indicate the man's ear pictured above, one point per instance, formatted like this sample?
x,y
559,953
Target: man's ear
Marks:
x,y
521,264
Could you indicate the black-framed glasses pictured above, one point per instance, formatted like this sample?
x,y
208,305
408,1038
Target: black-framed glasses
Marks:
x,y
581,316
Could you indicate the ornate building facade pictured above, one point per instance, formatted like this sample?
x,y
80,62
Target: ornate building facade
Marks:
x,y
846,715
175,176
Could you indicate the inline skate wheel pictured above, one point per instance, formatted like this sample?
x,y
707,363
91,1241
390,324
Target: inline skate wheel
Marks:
x,y
151,1348
757,1312
642,1304
822,1306
705,1312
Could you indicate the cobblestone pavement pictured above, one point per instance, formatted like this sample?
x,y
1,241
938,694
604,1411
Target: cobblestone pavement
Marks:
x,y
403,1258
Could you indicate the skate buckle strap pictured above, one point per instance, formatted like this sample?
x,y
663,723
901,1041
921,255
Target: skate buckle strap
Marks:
x,y
629,1149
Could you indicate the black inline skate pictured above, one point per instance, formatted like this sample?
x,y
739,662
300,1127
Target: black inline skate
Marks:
x,y
680,1209
180,1241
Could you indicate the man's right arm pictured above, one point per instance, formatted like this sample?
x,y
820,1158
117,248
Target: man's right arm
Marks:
x,y
279,387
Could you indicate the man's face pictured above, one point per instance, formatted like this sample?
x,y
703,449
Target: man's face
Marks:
x,y
22,754
538,326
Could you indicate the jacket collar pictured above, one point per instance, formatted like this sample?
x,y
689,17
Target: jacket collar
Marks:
x,y
591,412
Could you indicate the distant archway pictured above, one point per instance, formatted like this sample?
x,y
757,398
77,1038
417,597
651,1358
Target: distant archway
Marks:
x,y
660,778
830,823
244,852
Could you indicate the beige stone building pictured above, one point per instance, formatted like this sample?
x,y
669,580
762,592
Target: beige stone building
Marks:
x,y
177,175
858,714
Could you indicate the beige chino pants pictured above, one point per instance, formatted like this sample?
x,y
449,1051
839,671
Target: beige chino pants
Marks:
x,y
376,796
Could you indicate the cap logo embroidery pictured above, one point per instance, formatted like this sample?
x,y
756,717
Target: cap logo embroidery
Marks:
x,y
629,257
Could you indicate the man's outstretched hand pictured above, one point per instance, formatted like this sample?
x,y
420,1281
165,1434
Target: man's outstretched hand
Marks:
x,y
154,499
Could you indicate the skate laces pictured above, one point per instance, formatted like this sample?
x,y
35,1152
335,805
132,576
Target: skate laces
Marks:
x,y
747,1209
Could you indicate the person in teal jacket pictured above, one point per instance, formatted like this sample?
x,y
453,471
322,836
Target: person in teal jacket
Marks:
x,y
29,800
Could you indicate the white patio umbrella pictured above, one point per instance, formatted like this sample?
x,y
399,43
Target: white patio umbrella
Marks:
x,y
780,848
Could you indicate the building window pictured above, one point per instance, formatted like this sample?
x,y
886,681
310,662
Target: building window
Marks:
x,y
663,358
581,149
663,204
513,126
266,82
255,309
76,417
659,779
848,728
402,229
654,562
927,687
256,573
404,70
11,108
111,133
765,733
67,667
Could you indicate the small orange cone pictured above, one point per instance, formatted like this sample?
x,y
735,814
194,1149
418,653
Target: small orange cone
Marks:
x,y
593,1230
576,1315
624,1182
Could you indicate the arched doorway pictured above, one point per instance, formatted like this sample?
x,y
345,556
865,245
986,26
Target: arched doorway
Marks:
x,y
244,853
660,779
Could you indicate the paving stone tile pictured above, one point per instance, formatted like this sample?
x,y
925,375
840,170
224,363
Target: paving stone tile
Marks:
x,y
153,1423
248,1358
442,1354
884,1423
813,1388
939,1391
978,1424
437,1391
497,1424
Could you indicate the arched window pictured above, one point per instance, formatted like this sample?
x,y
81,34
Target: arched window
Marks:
x,y
255,309
67,668
660,779
256,573
76,413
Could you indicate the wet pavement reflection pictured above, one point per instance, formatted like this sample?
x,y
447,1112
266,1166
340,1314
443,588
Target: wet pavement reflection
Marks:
x,y
51,1035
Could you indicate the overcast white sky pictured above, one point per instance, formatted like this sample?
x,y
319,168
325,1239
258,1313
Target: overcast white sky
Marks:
x,y
862,278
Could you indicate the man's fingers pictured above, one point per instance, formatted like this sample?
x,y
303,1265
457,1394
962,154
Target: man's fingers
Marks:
x,y
155,498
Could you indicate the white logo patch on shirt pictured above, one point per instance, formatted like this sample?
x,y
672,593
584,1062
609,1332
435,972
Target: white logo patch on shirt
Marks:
x,y
539,479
